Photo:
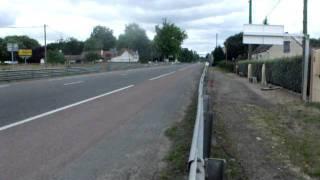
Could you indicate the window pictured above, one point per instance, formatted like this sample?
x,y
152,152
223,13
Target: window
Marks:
x,y
286,46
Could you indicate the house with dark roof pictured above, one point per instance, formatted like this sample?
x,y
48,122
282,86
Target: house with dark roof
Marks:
x,y
291,47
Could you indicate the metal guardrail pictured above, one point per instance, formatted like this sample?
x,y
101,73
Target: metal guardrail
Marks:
x,y
201,167
12,75
196,159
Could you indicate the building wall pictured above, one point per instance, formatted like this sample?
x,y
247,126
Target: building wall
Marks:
x,y
125,57
277,51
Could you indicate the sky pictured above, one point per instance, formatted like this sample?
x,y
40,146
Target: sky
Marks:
x,y
201,19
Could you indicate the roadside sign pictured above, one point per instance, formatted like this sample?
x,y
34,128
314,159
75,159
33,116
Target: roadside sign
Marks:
x,y
263,34
25,52
12,47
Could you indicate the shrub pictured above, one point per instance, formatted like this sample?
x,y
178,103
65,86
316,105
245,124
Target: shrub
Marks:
x,y
228,66
92,56
285,72
55,57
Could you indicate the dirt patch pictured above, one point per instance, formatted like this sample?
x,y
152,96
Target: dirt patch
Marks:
x,y
263,134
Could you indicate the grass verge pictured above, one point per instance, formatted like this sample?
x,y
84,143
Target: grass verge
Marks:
x,y
294,129
180,135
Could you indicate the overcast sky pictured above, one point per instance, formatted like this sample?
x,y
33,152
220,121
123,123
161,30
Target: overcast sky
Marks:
x,y
201,19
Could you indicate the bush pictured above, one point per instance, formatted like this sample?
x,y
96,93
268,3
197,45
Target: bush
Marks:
x,y
285,72
55,57
92,56
228,66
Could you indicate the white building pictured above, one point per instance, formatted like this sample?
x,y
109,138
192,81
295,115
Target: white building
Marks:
x,y
126,56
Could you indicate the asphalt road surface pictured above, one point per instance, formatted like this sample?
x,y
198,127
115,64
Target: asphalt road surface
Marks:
x,y
98,126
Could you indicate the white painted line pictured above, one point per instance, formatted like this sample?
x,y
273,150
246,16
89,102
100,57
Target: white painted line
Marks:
x,y
62,108
76,82
163,75
4,85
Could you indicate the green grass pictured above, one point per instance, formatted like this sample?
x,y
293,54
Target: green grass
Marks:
x,y
295,129
180,135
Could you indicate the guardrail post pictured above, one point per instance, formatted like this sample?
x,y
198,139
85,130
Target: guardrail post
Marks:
x,y
207,134
215,169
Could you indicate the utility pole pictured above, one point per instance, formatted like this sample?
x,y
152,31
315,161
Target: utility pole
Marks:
x,y
45,43
216,40
250,22
305,45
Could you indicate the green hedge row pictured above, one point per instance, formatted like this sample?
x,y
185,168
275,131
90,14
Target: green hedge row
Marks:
x,y
286,72
228,66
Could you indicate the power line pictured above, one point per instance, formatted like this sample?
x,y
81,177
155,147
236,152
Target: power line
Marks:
x,y
19,27
272,9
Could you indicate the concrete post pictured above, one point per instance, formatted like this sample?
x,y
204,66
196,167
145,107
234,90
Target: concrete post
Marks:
x,y
263,75
249,71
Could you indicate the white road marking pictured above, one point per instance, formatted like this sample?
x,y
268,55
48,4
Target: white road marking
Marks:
x,y
4,85
76,82
61,109
163,75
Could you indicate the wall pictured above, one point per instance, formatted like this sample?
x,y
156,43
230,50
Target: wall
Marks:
x,y
276,51
315,76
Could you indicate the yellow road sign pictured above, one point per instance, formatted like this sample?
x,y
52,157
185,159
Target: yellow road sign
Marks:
x,y
25,52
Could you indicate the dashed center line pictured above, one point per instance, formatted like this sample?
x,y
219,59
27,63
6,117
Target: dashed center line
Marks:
x,y
76,82
163,75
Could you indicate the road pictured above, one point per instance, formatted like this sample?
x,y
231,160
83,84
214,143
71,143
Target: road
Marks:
x,y
97,126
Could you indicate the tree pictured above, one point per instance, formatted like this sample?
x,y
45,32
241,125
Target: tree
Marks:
x,y
55,57
218,54
24,42
168,39
187,55
235,48
100,38
315,43
92,56
135,38
70,46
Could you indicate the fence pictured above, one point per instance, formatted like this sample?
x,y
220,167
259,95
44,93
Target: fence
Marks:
x,y
13,75
43,73
315,77
202,167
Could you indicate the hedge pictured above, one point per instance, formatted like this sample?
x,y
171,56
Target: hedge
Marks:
x,y
286,72
228,66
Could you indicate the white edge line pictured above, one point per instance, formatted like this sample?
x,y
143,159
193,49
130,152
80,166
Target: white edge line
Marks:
x,y
76,82
163,75
62,108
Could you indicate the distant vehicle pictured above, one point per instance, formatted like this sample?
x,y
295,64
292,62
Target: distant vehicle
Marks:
x,y
10,62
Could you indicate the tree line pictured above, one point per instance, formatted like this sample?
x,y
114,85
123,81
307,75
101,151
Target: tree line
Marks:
x,y
165,45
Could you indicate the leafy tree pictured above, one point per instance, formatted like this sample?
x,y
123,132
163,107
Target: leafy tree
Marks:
x,y
218,54
187,55
235,48
135,38
100,38
70,46
168,39
315,43
24,42
92,56
55,57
